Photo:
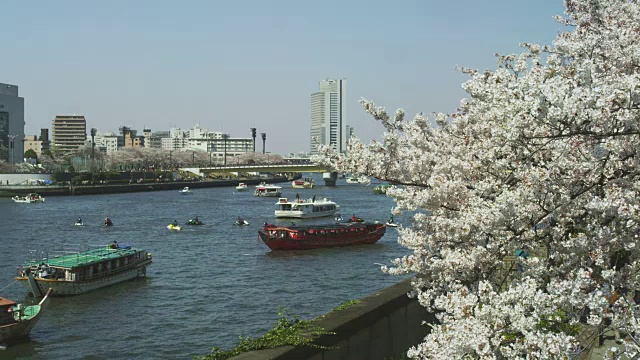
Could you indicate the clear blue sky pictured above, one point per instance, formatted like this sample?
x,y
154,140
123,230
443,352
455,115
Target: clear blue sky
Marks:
x,y
234,65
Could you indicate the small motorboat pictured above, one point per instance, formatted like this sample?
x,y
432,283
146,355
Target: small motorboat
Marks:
x,y
79,224
241,222
391,224
194,222
174,227
185,191
28,199
242,187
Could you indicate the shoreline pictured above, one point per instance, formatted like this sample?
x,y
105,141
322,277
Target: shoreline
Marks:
x,y
73,190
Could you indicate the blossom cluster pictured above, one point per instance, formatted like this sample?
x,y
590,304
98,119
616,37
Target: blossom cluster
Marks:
x,y
543,155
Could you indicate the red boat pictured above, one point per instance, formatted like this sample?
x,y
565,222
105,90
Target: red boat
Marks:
x,y
321,236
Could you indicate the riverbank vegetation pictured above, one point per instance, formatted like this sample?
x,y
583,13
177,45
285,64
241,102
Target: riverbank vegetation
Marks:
x,y
289,330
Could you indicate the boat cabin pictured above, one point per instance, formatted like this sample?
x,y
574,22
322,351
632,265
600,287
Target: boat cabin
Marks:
x,y
6,311
268,191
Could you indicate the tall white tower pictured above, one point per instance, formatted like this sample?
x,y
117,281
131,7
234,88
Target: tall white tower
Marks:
x,y
328,115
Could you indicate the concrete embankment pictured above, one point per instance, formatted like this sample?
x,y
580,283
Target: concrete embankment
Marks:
x,y
381,326
55,190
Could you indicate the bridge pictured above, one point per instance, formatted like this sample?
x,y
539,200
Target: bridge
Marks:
x,y
282,168
328,176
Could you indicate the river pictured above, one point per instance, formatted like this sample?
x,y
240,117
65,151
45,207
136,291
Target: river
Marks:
x,y
207,285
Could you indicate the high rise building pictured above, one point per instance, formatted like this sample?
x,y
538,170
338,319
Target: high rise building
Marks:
x,y
11,124
328,115
69,133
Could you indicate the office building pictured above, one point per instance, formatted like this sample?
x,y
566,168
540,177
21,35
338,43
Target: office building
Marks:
x,y
11,124
69,133
328,115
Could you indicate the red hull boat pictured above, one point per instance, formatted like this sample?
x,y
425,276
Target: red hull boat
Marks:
x,y
321,236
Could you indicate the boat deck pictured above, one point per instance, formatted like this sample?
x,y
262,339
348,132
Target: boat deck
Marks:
x,y
88,257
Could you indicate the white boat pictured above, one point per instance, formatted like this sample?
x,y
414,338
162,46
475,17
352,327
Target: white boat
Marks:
x,y
305,208
17,320
242,187
185,191
352,180
268,190
306,183
28,199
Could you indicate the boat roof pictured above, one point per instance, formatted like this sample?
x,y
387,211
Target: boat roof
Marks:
x,y
6,302
89,257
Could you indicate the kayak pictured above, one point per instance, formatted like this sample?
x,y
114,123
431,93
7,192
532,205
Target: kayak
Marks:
x,y
174,227
244,222
392,224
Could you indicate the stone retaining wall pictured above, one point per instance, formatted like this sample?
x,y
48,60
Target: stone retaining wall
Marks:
x,y
383,326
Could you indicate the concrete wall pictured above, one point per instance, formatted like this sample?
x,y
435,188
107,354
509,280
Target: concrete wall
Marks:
x,y
383,326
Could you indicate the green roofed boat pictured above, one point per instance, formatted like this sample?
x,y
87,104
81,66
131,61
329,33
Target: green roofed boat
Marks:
x,y
17,320
80,272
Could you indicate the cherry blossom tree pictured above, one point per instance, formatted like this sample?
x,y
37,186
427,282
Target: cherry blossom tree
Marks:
x,y
542,155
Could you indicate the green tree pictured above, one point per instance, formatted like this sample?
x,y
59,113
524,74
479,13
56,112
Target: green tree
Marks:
x,y
31,154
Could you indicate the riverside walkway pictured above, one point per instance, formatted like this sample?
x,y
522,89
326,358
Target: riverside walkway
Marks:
x,y
65,190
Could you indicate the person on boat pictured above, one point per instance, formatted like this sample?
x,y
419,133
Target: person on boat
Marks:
x,y
107,221
354,218
297,196
240,221
390,219
196,220
175,222
265,224
115,245
79,221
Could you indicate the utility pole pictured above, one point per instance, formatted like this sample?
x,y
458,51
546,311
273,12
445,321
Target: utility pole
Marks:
x,y
253,135
264,140
225,137
93,146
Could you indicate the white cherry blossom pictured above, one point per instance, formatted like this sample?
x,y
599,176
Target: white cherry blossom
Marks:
x,y
542,153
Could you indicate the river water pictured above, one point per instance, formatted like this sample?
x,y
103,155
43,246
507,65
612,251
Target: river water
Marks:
x,y
207,285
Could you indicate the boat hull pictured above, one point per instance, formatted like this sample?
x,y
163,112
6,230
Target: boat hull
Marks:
x,y
20,329
279,238
63,287
268,194
303,215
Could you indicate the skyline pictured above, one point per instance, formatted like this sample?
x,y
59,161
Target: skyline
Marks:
x,y
230,67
